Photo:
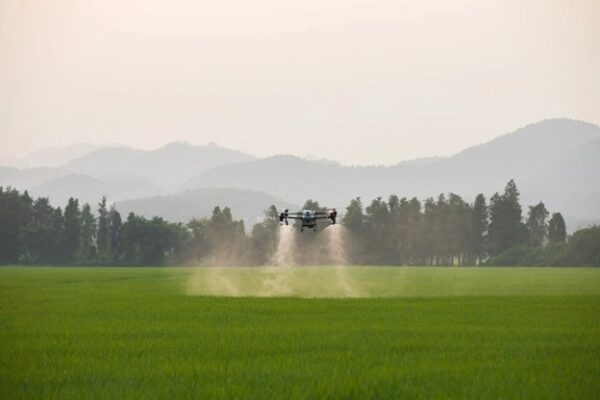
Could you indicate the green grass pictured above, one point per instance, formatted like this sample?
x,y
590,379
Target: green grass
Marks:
x,y
417,333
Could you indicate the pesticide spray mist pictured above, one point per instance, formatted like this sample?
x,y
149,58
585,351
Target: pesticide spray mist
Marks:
x,y
284,253
284,277
277,279
336,240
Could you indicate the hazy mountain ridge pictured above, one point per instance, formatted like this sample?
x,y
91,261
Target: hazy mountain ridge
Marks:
x,y
28,177
167,166
484,168
248,205
51,156
89,189
553,160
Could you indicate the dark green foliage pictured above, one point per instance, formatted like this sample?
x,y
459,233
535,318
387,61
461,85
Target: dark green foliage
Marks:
x,y
103,223
506,228
557,229
88,234
377,233
584,247
72,230
354,220
115,235
520,255
15,213
537,225
479,227
446,230
152,242
263,238
41,236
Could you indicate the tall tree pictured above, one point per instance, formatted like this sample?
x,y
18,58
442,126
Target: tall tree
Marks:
x,y
479,226
557,229
506,227
115,234
103,223
378,236
459,230
260,245
15,213
58,230
264,237
412,240
72,229
585,247
354,221
200,247
354,218
88,233
226,237
537,226
39,236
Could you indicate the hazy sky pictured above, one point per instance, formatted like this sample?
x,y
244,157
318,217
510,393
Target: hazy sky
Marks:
x,y
363,82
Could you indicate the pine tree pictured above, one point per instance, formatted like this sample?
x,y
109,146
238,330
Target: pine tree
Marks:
x,y
115,233
479,227
354,221
38,235
88,232
58,235
72,229
557,229
506,227
537,227
378,236
354,218
103,223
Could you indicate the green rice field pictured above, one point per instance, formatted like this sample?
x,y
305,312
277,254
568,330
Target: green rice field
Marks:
x,y
299,333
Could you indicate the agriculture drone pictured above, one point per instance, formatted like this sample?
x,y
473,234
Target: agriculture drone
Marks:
x,y
308,217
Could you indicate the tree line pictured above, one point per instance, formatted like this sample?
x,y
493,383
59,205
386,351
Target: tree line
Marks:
x,y
446,230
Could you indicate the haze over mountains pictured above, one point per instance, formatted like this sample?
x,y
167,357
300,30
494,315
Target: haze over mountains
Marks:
x,y
556,161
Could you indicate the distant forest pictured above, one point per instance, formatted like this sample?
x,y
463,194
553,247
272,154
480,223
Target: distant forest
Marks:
x,y
437,231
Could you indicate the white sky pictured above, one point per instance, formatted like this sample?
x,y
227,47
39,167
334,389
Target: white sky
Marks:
x,y
362,82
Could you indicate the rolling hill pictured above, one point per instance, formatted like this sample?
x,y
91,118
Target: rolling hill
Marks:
x,y
248,205
554,160
168,166
536,156
90,190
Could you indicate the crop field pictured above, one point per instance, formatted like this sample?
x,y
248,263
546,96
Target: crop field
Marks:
x,y
295,333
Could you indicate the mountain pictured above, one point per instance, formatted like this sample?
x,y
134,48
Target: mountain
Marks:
x,y
527,155
168,166
53,156
23,179
90,190
572,184
518,154
248,205
120,172
555,161
49,156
